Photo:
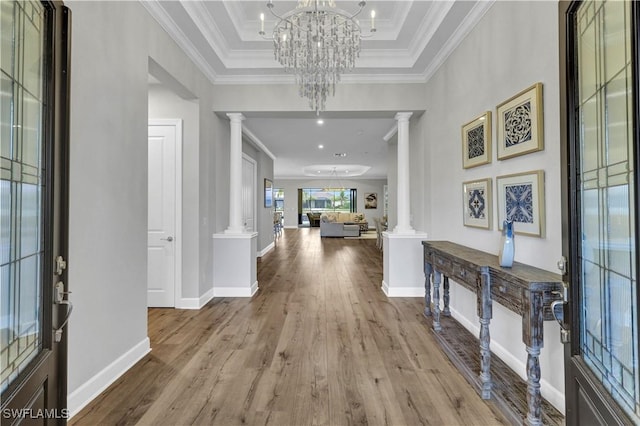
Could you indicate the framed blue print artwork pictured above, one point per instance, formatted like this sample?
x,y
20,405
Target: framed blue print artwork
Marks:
x,y
477,202
268,193
520,123
521,199
476,141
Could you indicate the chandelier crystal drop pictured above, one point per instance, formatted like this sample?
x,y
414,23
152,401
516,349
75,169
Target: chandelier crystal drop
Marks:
x,y
317,42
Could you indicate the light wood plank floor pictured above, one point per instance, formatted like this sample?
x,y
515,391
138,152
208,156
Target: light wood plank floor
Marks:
x,y
320,344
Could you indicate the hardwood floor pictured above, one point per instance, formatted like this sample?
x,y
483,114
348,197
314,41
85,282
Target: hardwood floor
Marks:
x,y
319,344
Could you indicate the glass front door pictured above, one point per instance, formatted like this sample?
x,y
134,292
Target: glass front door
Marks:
x,y
32,195
21,255
603,380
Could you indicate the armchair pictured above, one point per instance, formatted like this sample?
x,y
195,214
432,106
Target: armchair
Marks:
x,y
314,219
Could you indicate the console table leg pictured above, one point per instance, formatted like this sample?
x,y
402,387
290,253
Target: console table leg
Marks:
x,y
533,386
485,312
485,359
436,300
427,289
445,298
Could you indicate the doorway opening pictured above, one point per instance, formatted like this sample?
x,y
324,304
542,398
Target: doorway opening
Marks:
x,y
173,167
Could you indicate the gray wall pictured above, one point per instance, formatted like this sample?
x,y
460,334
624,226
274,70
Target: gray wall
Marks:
x,y
108,186
290,187
112,43
392,181
419,169
505,53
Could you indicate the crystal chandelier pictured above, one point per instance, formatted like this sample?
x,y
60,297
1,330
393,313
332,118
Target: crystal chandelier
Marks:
x,y
317,42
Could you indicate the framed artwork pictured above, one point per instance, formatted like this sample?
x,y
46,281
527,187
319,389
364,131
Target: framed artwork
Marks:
x,y
268,193
521,199
371,200
520,123
476,141
477,203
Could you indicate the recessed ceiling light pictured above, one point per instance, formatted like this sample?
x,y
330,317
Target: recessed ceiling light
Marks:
x,y
320,121
318,171
346,171
320,146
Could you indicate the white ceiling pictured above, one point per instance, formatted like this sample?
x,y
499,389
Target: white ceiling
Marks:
x,y
413,38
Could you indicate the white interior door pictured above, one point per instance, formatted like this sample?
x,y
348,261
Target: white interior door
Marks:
x,y
161,236
249,174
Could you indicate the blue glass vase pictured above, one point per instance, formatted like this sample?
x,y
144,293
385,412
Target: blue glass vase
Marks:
x,y
507,250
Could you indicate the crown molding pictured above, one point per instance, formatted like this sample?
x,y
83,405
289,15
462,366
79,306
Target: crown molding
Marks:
x,y
335,171
470,21
161,16
200,16
246,26
346,178
257,142
370,58
428,27
391,133
263,59
222,80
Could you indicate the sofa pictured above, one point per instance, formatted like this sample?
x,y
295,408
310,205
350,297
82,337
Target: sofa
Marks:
x,y
341,224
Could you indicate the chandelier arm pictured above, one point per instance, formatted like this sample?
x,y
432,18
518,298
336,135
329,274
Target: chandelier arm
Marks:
x,y
362,5
333,11
270,7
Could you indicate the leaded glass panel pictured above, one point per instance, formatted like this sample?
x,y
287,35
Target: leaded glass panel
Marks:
x,y
608,335
21,185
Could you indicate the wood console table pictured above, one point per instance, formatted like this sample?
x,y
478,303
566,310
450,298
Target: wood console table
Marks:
x,y
523,289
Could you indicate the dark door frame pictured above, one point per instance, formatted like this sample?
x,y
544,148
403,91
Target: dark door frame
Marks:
x,y
584,394
49,368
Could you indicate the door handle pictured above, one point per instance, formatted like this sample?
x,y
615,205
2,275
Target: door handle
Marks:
x,y
167,239
557,310
60,300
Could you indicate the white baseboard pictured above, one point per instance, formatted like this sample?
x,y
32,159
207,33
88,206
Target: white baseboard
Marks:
x,y
195,302
473,327
235,291
555,396
385,288
267,249
79,398
402,291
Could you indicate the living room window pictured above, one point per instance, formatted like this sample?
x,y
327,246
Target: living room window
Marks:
x,y
278,199
318,200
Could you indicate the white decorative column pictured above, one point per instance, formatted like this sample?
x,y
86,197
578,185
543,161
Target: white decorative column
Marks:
x,y
235,175
403,194
234,250
403,266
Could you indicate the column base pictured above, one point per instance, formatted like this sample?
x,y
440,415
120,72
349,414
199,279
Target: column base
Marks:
x,y
235,264
235,231
404,231
403,264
